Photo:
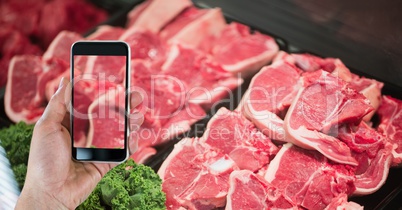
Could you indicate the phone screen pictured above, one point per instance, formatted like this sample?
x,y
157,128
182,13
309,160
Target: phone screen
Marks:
x,y
99,104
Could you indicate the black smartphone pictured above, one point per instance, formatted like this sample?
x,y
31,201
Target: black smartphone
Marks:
x,y
100,78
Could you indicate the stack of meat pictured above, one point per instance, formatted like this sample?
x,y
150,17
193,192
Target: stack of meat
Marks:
x,y
29,26
184,61
301,138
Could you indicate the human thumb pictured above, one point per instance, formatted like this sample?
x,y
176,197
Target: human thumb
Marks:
x,y
57,107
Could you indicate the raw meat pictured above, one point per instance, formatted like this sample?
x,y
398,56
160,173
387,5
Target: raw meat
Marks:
x,y
390,113
145,45
142,154
341,203
376,173
204,82
86,90
106,32
234,135
13,42
371,89
195,177
67,18
324,103
181,122
192,26
61,45
373,153
24,98
238,51
20,101
307,178
270,93
107,68
106,120
308,62
249,191
156,14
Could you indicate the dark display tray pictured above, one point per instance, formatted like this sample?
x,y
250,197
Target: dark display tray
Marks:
x,y
388,196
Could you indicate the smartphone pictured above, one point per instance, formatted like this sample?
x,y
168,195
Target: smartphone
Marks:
x,y
100,78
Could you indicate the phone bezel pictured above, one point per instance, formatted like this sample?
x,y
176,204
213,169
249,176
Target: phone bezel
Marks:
x,y
103,48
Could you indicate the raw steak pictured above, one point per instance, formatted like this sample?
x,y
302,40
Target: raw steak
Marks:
x,y
270,93
163,98
24,98
106,120
20,101
108,68
61,45
390,113
373,153
324,103
192,26
308,62
146,44
341,203
195,177
86,90
238,51
106,32
142,154
205,82
67,18
249,191
307,178
13,42
371,89
376,173
156,14
181,122
234,135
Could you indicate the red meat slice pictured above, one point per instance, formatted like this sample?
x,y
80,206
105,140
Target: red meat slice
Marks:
x,y
86,90
234,135
373,153
308,62
193,26
157,13
238,51
324,103
270,93
205,181
106,32
371,89
142,154
249,191
24,98
390,113
376,173
204,82
310,182
145,45
13,42
67,18
61,45
106,120
109,68
181,122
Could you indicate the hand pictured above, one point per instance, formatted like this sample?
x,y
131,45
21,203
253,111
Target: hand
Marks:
x,y
54,180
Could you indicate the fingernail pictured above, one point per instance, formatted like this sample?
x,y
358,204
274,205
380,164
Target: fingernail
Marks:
x,y
61,82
